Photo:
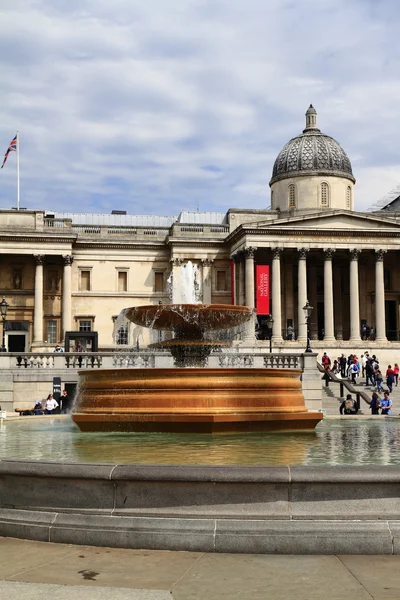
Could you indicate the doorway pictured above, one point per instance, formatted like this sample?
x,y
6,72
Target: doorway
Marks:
x,y
16,342
391,319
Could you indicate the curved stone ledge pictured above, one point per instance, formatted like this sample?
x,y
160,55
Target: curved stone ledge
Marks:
x,y
205,508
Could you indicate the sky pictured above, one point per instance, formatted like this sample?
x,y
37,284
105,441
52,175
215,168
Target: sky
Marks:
x,y
159,106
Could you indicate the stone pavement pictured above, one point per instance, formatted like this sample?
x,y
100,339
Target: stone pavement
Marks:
x,y
40,571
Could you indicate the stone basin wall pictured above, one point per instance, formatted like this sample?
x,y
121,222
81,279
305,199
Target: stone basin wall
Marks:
x,y
294,510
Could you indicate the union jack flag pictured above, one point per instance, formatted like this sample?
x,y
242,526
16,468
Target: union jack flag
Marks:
x,y
11,148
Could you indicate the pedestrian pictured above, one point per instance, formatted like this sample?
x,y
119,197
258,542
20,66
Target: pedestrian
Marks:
x,y
369,372
363,361
348,406
65,402
58,349
50,405
326,361
375,404
343,363
396,370
386,404
38,408
390,378
379,380
353,370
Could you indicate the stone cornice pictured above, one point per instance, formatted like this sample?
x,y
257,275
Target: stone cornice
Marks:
x,y
43,238
242,232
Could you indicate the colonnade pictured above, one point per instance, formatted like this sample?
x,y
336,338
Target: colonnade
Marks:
x,y
38,298
244,264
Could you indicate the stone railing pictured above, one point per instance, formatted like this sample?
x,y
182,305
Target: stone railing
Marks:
x,y
142,360
190,230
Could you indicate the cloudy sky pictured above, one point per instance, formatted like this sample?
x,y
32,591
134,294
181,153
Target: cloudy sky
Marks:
x,y
158,106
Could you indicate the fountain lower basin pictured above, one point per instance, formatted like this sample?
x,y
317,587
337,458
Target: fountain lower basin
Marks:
x,y
192,400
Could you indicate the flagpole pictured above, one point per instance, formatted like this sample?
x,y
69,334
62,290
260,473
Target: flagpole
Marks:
x,y
17,170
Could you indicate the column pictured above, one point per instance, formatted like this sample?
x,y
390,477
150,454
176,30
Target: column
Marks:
x,y
250,292
313,299
235,282
337,302
328,296
302,295
207,279
38,308
176,280
276,295
354,297
67,294
380,328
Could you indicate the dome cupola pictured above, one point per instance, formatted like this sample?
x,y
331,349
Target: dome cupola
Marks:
x,y
310,157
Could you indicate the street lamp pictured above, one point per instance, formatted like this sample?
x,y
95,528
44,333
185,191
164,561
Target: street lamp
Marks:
x,y
307,314
270,323
3,310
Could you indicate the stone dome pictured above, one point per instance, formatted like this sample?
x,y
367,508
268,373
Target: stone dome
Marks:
x,y
311,153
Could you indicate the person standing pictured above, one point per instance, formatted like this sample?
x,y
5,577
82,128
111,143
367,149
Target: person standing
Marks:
x,y
390,376
348,406
326,361
343,364
65,402
396,370
369,372
50,405
375,404
353,370
386,404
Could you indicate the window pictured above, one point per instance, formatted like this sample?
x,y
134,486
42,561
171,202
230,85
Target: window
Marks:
x,y
348,198
52,281
158,281
84,284
272,200
52,332
17,279
292,196
324,194
122,335
85,325
122,281
221,281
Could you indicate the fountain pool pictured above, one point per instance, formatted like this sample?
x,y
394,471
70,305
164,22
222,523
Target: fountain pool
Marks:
x,y
335,442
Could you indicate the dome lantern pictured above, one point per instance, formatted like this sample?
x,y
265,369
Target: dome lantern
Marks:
x,y
311,120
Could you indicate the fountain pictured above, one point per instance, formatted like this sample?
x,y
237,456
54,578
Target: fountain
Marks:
x,y
191,397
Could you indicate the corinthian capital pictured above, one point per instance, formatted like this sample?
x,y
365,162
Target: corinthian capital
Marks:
x,y
329,252
276,252
68,259
380,254
354,253
39,258
303,252
207,262
250,251
176,262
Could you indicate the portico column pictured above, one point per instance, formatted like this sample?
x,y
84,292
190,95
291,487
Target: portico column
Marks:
x,y
67,294
302,295
354,297
207,264
235,282
38,309
380,296
276,295
328,296
249,254
241,295
176,280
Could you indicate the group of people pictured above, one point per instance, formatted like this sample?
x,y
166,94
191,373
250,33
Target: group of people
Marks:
x,y
367,367
50,406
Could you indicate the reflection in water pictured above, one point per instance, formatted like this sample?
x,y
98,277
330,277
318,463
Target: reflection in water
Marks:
x,y
333,442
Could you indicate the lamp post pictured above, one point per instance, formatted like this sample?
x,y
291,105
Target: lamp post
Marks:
x,y
307,314
3,309
270,322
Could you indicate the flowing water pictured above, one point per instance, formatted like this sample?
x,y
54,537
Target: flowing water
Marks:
x,y
334,442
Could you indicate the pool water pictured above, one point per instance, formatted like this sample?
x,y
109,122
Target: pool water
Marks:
x,y
334,442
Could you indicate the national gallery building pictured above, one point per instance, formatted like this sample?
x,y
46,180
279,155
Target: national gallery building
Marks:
x,y
64,272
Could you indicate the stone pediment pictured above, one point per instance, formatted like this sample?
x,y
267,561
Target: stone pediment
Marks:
x,y
334,220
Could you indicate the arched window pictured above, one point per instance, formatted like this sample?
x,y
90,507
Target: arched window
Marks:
x,y
348,198
292,196
324,194
122,335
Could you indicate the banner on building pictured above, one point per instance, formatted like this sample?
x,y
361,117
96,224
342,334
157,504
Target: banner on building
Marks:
x,y
263,283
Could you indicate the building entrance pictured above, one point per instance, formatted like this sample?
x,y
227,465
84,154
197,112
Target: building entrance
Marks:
x,y
16,342
391,320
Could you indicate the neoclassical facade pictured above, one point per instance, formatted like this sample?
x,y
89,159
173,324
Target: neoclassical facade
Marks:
x,y
75,272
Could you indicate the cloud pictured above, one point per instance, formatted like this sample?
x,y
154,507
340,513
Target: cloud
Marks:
x,y
158,107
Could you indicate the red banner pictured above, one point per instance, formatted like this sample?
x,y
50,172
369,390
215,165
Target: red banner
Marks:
x,y
263,283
